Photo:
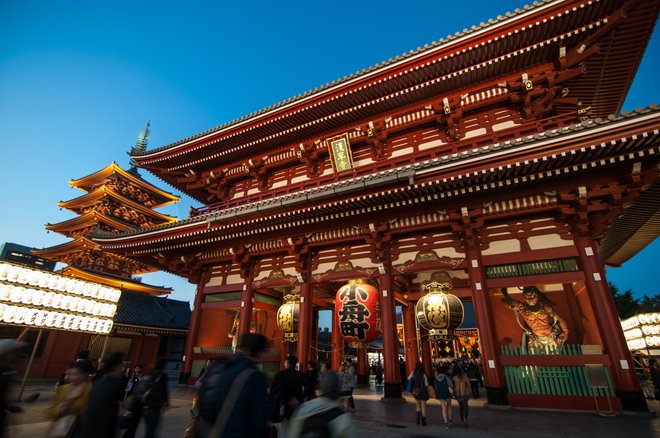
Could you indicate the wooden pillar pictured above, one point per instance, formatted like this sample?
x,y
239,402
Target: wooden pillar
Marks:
x,y
305,325
314,352
492,369
362,370
337,343
195,320
247,302
392,389
622,369
410,335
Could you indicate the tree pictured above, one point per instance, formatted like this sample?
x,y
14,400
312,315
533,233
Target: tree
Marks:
x,y
626,304
649,304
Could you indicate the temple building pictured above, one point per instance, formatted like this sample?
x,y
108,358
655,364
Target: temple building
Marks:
x,y
145,326
492,168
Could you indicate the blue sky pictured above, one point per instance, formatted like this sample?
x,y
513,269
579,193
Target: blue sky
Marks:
x,y
79,80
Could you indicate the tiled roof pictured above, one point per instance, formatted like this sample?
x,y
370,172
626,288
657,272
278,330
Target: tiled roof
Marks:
x,y
145,310
382,65
99,235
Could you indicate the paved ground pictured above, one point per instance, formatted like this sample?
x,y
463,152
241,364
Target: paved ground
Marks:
x,y
375,419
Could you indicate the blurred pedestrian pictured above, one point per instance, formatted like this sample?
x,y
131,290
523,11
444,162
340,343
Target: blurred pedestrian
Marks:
x,y
99,419
350,369
232,399
420,392
444,391
66,409
323,415
293,388
10,350
155,396
462,393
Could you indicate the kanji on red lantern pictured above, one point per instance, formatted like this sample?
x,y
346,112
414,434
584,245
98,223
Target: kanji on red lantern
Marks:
x,y
358,312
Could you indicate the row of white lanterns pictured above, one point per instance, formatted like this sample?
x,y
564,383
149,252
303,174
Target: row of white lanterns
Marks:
x,y
642,331
46,280
38,297
48,319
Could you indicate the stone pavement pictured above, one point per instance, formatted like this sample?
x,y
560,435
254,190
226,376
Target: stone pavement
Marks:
x,y
376,419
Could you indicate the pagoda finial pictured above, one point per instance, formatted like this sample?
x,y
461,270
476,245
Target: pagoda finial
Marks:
x,y
140,146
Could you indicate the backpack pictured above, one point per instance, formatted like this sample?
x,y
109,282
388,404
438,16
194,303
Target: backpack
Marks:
x,y
208,394
316,426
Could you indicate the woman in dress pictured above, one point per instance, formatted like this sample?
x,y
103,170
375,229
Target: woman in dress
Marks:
x,y
444,390
420,391
462,393
70,400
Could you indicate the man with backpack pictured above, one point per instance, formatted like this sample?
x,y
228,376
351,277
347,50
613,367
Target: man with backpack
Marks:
x,y
322,417
232,399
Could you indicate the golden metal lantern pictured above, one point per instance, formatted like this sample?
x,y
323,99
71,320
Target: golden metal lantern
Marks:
x,y
438,311
288,317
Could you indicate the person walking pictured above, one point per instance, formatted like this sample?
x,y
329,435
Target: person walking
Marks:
x,y
474,375
134,379
444,391
323,415
66,409
99,420
232,399
313,376
293,388
461,393
420,392
350,370
155,396
345,382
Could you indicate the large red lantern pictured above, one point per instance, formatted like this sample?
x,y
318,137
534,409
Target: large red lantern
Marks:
x,y
358,312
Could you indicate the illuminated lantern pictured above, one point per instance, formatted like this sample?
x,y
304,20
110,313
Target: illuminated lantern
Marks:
x,y
437,311
358,312
288,317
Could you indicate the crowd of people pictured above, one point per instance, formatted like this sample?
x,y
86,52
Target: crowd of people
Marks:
x,y
232,397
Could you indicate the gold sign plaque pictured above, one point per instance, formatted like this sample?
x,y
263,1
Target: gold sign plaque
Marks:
x,y
340,152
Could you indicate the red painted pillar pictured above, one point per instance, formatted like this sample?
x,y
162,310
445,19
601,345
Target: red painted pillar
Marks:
x,y
363,366
623,371
337,343
492,369
305,325
410,336
392,389
245,317
193,328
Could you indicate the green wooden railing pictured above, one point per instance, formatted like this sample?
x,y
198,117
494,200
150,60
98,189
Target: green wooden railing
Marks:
x,y
551,380
564,350
532,268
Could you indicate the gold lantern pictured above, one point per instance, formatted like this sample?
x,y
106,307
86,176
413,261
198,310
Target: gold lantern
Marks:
x,y
288,317
438,311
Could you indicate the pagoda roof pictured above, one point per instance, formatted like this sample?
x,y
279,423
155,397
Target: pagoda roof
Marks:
x,y
89,219
79,245
137,309
98,178
544,155
70,246
531,36
93,198
125,284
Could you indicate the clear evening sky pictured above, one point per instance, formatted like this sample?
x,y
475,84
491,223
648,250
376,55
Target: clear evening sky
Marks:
x,y
79,80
